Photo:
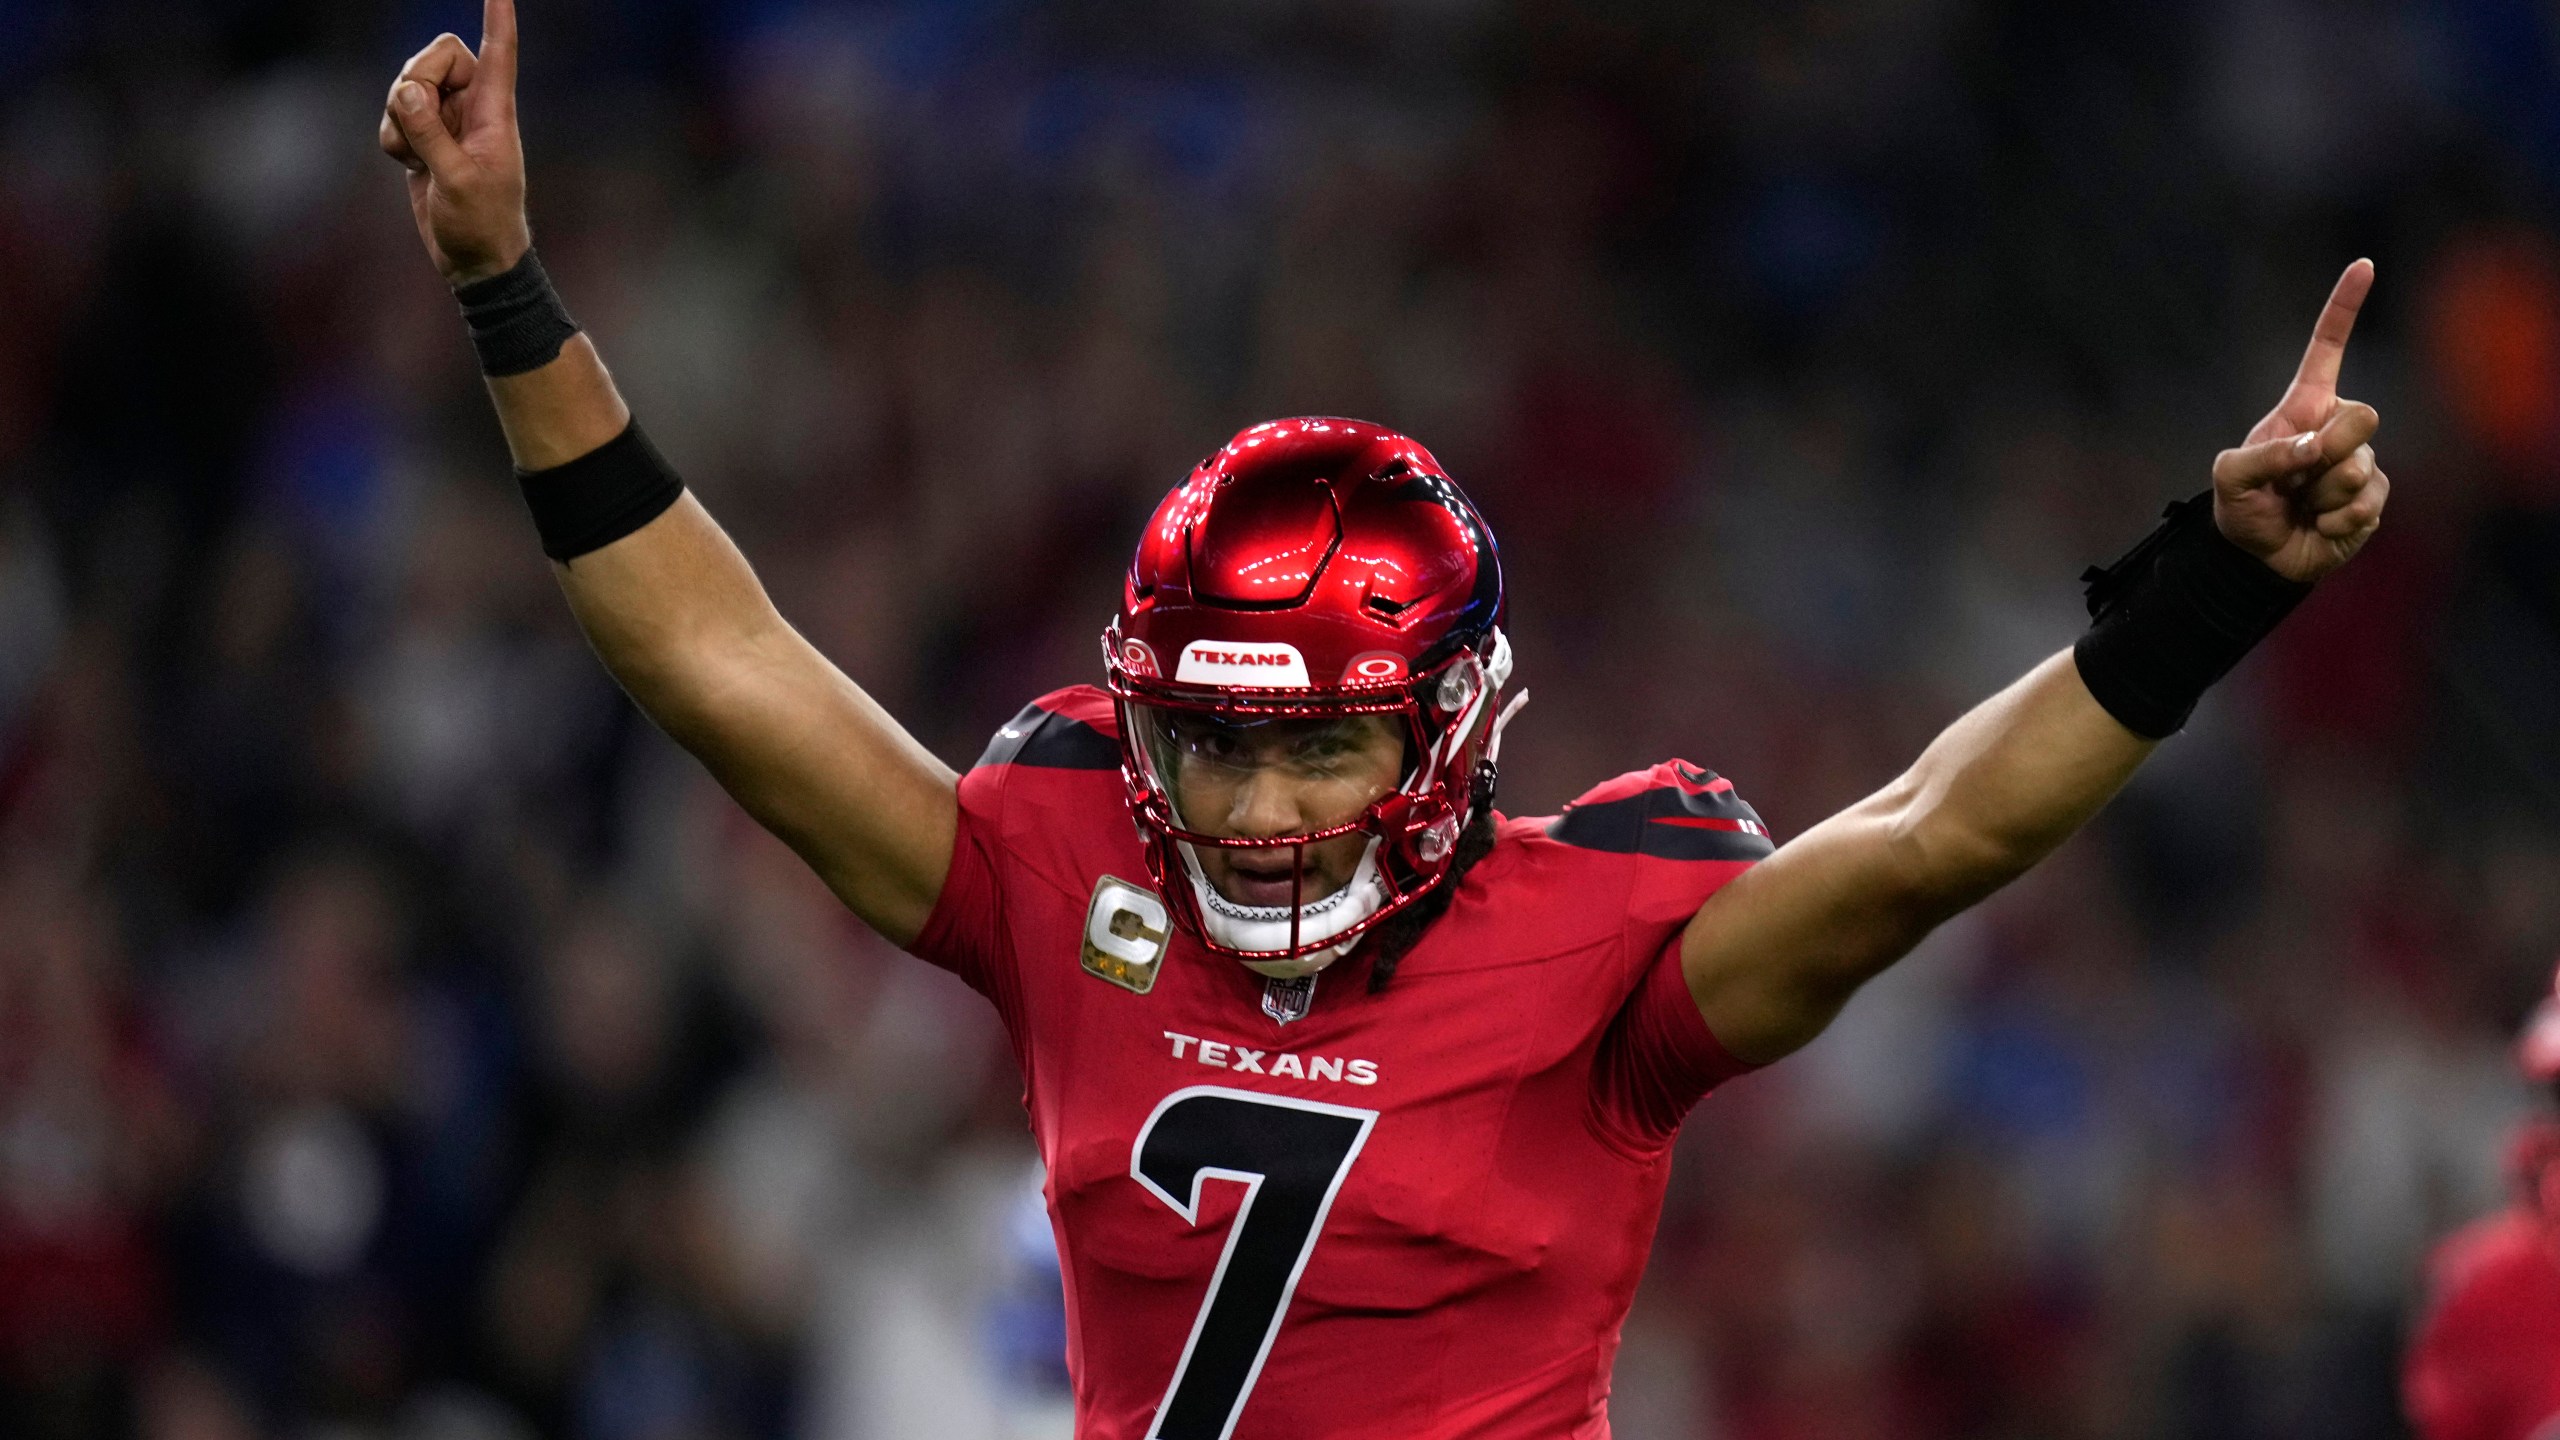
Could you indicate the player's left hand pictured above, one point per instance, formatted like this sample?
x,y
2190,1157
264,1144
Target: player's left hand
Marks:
x,y
2303,492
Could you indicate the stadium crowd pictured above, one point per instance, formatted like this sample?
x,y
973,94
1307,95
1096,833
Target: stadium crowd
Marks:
x,y
399,1038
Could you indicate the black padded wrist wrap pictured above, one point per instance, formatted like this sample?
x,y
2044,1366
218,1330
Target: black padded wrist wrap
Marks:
x,y
517,321
2173,616
601,496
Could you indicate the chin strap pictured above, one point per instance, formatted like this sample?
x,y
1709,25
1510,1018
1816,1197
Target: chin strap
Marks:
x,y
1493,743
1266,928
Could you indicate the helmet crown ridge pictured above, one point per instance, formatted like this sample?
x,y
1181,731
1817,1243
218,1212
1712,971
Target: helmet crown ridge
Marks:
x,y
1265,543
1338,537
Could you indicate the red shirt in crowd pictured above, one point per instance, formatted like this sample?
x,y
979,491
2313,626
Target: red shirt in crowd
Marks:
x,y
2486,1363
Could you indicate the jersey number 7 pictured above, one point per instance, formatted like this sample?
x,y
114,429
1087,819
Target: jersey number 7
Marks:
x,y
1291,1156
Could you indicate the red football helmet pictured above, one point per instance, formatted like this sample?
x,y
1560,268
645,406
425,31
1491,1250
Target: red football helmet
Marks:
x,y
1314,568
2538,1052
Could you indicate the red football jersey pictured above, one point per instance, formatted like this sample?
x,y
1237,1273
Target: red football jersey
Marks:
x,y
1420,1212
2486,1363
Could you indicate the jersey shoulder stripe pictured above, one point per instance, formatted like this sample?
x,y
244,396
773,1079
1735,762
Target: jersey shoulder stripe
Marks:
x,y
1070,729
1674,811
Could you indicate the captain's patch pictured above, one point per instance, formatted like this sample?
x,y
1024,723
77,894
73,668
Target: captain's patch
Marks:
x,y
1125,932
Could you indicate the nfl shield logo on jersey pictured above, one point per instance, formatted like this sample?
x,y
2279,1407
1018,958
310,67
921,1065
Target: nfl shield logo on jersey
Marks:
x,y
1125,933
1287,1000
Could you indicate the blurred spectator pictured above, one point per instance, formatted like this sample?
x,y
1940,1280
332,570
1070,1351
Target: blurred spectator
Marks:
x,y
397,1038
2484,1361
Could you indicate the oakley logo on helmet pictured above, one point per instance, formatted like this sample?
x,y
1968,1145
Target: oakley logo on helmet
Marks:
x,y
1373,668
1138,658
1236,662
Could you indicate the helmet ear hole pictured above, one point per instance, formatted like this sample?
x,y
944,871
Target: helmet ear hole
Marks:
x,y
1457,687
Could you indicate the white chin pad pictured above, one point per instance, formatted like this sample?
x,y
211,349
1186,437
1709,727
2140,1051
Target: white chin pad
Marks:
x,y
1265,928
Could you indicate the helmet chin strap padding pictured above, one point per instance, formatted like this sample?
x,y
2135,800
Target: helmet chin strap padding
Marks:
x,y
1277,930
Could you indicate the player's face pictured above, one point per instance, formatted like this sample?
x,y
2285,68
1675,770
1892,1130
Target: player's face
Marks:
x,y
1261,778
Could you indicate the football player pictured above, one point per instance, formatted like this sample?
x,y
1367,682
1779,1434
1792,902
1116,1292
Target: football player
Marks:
x,y
2486,1361
1356,1096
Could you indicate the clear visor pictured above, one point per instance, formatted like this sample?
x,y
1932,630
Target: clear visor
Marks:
x,y
1274,777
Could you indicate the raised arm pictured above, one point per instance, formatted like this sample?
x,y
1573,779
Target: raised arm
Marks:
x,y
672,607
1774,955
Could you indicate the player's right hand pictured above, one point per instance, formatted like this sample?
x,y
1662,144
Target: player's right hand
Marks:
x,y
451,119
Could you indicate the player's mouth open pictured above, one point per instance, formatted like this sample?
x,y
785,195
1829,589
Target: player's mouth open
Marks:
x,y
1268,879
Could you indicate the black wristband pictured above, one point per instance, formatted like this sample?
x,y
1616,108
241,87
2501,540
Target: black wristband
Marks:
x,y
517,321
2173,616
601,496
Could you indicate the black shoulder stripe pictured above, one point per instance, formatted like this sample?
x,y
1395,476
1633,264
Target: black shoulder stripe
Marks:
x,y
1676,842
1050,741
1668,825
1718,803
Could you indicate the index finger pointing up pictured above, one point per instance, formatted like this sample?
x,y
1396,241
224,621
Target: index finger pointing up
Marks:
x,y
498,45
2328,349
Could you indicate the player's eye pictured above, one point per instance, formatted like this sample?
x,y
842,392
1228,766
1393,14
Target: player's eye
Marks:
x,y
1323,753
1315,750
1216,744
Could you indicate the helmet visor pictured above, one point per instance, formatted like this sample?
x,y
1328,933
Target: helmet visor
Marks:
x,y
1269,777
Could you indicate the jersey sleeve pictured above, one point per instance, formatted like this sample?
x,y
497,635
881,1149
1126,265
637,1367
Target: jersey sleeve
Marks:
x,y
1029,809
1683,833
966,934
1687,835
1658,1059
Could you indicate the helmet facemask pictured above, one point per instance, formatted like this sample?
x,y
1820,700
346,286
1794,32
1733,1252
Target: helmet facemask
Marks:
x,y
1393,765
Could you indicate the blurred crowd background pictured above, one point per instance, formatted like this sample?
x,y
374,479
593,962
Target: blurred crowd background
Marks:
x,y
400,1039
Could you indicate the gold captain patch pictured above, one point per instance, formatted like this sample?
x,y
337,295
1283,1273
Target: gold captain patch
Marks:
x,y
1125,933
